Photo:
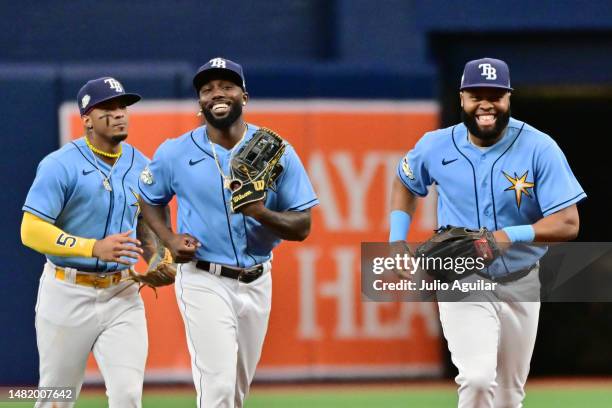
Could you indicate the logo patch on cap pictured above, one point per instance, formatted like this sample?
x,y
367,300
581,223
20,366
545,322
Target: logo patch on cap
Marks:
x,y
488,71
114,84
85,101
217,63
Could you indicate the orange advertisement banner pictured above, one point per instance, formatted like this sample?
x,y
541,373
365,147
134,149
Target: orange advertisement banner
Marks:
x,y
319,325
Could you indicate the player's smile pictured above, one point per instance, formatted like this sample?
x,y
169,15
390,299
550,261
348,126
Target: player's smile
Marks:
x,y
220,108
486,119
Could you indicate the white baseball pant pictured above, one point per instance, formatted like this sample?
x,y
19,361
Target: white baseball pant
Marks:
x,y
491,341
225,326
72,320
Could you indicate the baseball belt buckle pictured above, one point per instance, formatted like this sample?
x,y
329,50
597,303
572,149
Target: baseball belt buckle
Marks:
x,y
99,280
248,275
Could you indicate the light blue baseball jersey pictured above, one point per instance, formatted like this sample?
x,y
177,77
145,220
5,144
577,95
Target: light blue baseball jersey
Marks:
x,y
186,167
519,180
68,193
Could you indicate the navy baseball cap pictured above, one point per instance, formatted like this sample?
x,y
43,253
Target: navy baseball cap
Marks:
x,y
219,66
101,90
486,73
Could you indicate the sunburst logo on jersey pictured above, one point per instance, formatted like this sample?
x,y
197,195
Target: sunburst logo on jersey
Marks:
x,y
520,186
135,204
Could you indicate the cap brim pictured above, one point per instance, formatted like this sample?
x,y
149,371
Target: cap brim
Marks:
x,y
223,73
486,85
128,98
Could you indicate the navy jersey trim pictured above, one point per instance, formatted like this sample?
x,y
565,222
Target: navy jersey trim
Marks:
x,y
493,166
198,146
473,174
40,213
246,238
84,269
86,158
108,218
564,202
125,195
149,199
123,187
299,207
229,224
407,186
535,179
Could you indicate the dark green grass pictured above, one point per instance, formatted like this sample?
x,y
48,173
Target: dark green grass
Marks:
x,y
563,397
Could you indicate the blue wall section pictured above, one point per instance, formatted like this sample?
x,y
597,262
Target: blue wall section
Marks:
x,y
56,30
392,49
384,32
29,118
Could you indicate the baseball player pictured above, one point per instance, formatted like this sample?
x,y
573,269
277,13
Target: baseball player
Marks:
x,y
496,172
223,285
82,214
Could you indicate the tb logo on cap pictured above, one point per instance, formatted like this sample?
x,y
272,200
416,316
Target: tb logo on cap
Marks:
x,y
217,63
114,84
488,71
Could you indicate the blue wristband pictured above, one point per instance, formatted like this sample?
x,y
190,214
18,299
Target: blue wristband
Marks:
x,y
520,233
399,222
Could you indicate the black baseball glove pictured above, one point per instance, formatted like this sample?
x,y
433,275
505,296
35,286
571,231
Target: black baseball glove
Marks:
x,y
456,252
255,168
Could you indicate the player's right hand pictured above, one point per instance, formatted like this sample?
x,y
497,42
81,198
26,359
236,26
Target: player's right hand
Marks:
x,y
113,247
183,247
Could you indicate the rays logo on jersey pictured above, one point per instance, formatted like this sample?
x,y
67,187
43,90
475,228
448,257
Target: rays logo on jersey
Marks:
x,y
146,176
519,185
135,204
406,169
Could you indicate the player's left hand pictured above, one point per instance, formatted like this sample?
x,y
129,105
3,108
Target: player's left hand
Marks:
x,y
183,247
114,247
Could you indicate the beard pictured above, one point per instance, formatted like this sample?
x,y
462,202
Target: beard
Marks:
x,y
500,124
224,123
119,138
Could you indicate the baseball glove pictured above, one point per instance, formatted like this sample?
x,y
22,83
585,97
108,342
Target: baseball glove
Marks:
x,y
456,252
161,271
255,168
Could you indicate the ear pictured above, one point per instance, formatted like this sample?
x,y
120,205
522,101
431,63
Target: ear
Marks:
x,y
461,98
245,98
86,120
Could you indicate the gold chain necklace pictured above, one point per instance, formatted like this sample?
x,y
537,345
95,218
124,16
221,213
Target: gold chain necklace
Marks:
x,y
226,179
105,180
103,153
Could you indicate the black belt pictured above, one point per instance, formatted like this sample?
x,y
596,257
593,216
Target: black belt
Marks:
x,y
247,275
